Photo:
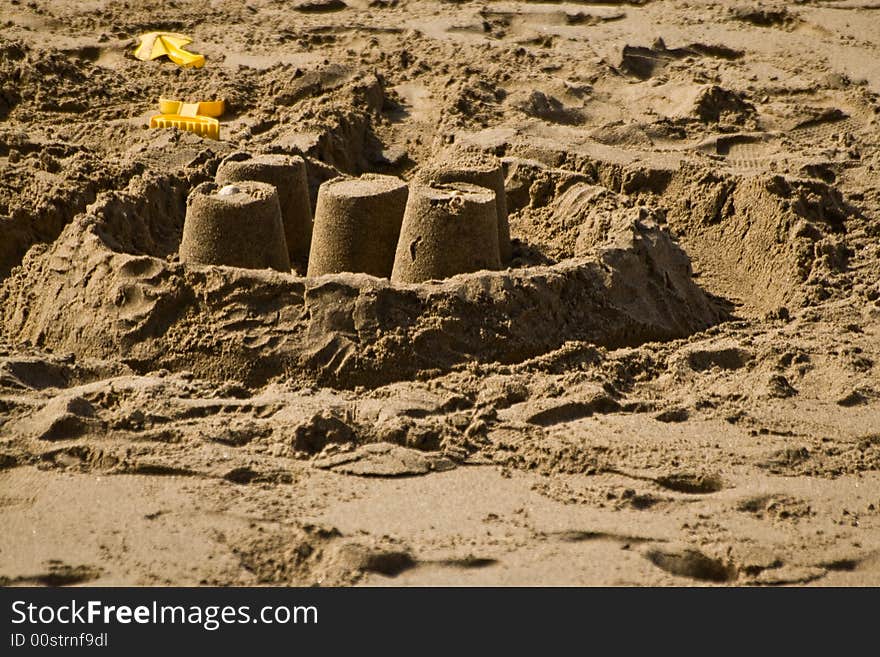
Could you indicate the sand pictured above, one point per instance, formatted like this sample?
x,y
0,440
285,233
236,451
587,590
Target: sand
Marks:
x,y
675,382
357,225
448,229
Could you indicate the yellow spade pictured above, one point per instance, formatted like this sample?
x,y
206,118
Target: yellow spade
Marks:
x,y
156,44
197,118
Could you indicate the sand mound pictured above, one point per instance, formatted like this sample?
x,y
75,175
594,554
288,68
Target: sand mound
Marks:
x,y
760,242
773,241
43,185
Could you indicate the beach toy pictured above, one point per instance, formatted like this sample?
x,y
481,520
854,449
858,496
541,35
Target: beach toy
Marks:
x,y
197,118
157,44
213,108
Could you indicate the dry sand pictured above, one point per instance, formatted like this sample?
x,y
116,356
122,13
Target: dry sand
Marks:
x,y
675,382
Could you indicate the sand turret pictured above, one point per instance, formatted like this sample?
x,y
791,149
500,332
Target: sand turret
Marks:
x,y
288,175
236,225
477,169
448,229
357,223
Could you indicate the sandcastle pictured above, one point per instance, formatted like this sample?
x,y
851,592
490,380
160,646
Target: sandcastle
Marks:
x,y
236,225
252,325
448,229
288,175
357,224
477,169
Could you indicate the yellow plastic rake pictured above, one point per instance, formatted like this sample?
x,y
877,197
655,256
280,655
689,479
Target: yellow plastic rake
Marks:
x,y
197,118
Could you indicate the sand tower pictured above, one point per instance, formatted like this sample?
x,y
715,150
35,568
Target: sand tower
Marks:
x,y
357,223
237,225
476,168
448,229
288,175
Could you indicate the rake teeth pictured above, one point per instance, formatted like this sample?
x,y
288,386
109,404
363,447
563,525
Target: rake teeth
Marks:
x,y
199,125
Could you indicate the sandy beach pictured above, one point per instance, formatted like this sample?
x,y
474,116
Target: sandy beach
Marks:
x,y
672,379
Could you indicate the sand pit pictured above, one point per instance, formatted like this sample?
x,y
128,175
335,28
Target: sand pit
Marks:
x,y
288,175
670,378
